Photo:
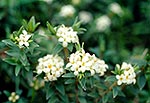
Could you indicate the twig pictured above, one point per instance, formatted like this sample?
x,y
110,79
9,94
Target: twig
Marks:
x,y
3,50
108,90
76,90
66,54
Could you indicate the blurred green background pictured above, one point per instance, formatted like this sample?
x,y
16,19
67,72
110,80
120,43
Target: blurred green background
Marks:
x,y
126,37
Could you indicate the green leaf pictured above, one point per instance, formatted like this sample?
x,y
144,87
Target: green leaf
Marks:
x,y
49,93
27,68
23,59
82,30
91,80
70,47
57,49
33,45
17,83
68,75
17,69
30,91
60,88
53,99
82,100
11,61
13,53
78,47
20,31
36,25
75,21
50,28
110,79
2,14
25,24
64,98
105,98
6,93
76,24
83,83
141,81
93,94
115,92
31,25
138,62
120,93
100,85
8,42
69,81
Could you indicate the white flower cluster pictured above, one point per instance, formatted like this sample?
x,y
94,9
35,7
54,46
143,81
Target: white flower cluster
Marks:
x,y
52,66
67,11
103,23
66,35
115,8
23,39
80,62
128,75
85,16
13,97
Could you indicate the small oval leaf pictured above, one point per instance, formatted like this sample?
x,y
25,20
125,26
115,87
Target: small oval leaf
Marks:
x,y
17,69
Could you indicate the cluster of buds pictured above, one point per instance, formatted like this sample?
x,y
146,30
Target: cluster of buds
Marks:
x,y
85,17
66,35
23,39
103,23
51,66
67,11
37,83
80,62
13,97
127,75
115,8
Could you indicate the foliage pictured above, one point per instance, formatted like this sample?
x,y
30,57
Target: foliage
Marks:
x,y
125,39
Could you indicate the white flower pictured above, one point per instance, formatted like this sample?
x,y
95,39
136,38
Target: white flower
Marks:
x,y
13,97
67,11
51,66
103,23
85,17
80,62
66,35
115,8
120,79
50,77
23,39
128,76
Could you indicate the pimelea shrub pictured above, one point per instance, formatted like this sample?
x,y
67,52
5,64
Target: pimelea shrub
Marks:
x,y
55,63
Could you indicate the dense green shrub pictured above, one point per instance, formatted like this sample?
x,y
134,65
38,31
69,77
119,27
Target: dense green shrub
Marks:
x,y
115,33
